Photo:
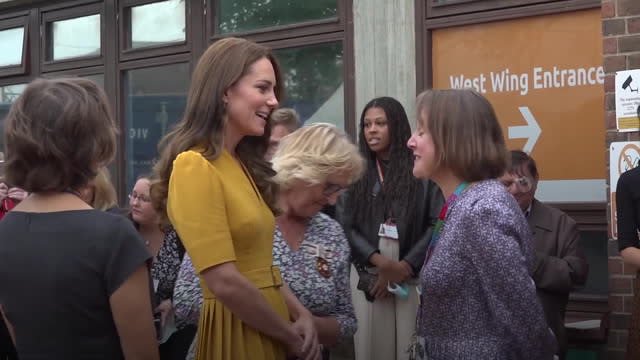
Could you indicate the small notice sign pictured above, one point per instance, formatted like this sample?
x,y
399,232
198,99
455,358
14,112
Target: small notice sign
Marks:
x,y
628,100
623,156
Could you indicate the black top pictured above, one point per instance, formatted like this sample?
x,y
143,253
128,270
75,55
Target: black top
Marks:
x,y
414,231
167,265
57,272
628,208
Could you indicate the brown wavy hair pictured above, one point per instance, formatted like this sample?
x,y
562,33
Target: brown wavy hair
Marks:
x,y
221,66
57,135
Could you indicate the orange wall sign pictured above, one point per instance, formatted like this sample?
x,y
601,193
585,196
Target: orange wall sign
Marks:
x,y
544,77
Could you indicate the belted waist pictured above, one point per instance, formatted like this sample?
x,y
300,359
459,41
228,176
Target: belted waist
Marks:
x,y
262,278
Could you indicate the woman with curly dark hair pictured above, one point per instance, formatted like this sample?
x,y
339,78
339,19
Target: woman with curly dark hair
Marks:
x,y
388,216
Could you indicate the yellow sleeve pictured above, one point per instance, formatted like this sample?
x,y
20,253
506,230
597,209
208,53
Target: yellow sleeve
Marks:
x,y
196,208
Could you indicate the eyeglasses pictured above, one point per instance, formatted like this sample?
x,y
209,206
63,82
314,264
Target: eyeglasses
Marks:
x,y
331,189
140,197
523,183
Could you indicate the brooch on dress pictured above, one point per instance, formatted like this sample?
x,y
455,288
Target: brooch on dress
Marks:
x,y
322,255
322,266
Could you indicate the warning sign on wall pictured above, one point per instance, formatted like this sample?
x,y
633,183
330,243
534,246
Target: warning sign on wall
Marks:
x,y
628,100
623,156
545,79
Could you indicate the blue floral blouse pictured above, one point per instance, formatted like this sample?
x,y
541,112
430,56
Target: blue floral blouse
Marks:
x,y
318,272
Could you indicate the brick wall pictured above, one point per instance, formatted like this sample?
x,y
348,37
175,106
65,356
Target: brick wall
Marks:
x,y
621,48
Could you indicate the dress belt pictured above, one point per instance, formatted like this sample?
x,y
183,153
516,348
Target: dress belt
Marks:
x,y
262,278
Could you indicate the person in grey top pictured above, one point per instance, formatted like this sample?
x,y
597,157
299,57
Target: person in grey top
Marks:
x,y
478,298
75,280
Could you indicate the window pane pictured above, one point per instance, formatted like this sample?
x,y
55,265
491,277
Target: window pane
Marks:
x,y
8,95
594,244
155,98
11,42
76,37
158,23
313,80
113,165
243,15
97,78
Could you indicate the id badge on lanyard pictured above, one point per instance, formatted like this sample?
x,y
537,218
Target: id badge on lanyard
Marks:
x,y
388,230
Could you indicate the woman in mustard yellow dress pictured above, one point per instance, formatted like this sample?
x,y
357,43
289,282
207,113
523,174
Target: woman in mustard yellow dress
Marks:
x,y
219,195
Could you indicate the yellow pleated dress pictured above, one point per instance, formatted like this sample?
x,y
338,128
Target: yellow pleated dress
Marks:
x,y
220,217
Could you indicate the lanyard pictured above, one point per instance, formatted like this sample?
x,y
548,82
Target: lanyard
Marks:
x,y
389,217
6,204
380,173
441,220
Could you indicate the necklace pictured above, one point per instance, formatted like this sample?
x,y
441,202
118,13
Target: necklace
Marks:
x,y
147,241
73,192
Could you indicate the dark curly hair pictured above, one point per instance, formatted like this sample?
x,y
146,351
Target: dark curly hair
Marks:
x,y
399,183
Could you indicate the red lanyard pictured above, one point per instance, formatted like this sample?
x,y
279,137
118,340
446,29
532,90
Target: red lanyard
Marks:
x,y
380,174
381,177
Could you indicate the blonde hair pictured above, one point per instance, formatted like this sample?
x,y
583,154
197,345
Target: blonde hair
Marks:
x,y
104,194
466,134
315,152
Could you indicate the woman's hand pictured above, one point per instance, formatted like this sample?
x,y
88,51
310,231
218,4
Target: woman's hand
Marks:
x,y
408,269
17,194
379,289
389,271
164,309
294,347
394,271
4,191
305,327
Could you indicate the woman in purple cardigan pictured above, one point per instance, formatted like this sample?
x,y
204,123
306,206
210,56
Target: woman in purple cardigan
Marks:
x,y
478,299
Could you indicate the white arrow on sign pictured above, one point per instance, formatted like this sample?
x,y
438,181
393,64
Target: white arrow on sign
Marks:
x,y
531,131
